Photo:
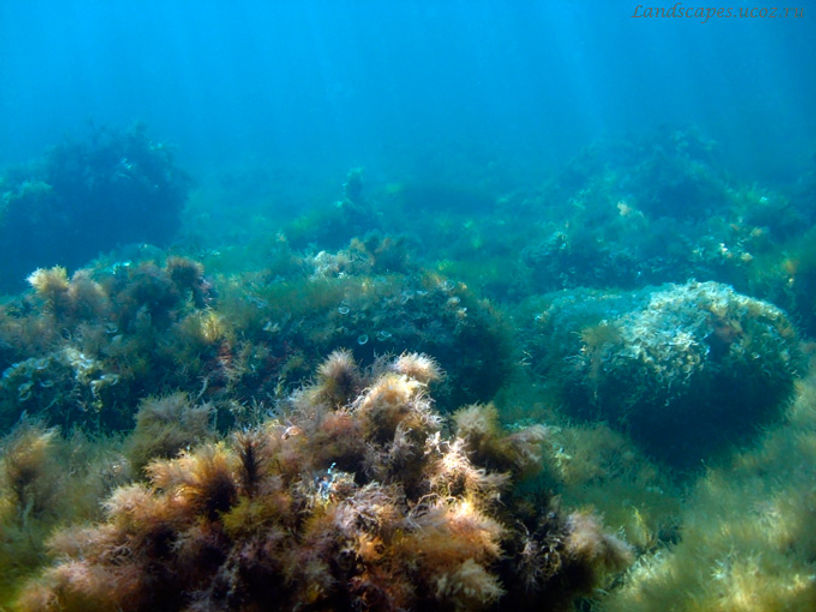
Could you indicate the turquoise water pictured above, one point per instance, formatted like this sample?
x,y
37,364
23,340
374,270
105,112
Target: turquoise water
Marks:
x,y
407,305
450,90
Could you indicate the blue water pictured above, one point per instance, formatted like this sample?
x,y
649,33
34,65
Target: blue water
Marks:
x,y
509,187
448,90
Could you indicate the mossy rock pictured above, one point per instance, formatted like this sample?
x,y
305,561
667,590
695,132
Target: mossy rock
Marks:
x,y
686,370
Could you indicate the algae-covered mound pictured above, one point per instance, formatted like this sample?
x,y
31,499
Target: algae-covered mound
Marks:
x,y
684,369
87,196
354,499
83,350
80,352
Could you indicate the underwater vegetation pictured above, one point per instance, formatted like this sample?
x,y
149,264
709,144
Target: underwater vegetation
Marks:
x,y
165,426
87,196
353,215
354,498
84,350
175,436
338,299
682,369
649,210
789,279
747,540
47,480
623,214
81,351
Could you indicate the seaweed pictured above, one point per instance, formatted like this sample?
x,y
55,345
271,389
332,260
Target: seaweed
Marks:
x,y
298,513
60,209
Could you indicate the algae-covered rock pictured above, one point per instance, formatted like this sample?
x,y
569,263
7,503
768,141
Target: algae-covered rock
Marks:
x,y
83,197
297,320
684,369
83,351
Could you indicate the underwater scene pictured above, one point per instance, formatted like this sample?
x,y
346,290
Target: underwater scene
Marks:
x,y
407,305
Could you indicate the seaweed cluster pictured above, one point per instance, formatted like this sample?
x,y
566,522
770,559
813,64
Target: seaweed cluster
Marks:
x,y
337,299
353,498
116,187
48,480
84,350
